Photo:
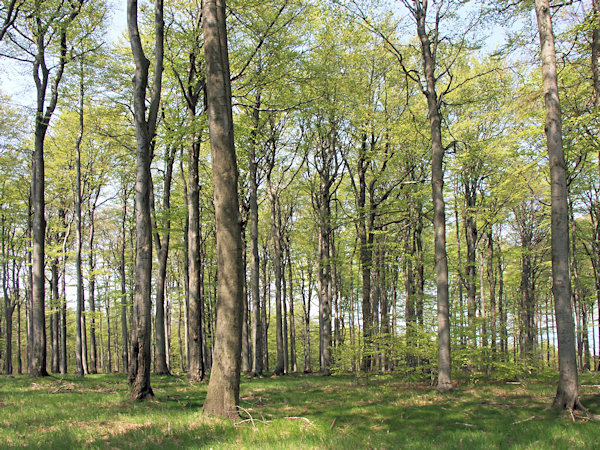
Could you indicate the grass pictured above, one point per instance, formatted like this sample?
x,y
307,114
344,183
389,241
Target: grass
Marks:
x,y
291,412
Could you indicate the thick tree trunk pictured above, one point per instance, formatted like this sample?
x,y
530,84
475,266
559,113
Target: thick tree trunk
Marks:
x,y
222,396
567,392
139,375
439,207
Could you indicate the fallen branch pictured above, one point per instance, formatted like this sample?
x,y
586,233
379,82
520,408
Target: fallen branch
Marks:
x,y
524,420
300,418
251,419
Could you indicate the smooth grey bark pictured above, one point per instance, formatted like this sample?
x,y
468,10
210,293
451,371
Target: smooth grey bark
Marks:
x,y
140,364
293,359
470,193
92,366
245,364
437,187
123,280
41,75
162,248
54,281
222,396
196,367
257,362
277,263
306,301
567,396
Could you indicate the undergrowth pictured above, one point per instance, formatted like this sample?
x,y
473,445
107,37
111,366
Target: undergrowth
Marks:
x,y
293,411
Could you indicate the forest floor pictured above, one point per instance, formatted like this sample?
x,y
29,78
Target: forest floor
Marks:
x,y
294,411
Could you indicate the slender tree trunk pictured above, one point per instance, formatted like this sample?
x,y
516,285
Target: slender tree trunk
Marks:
x,y
293,360
123,278
257,366
222,396
139,375
286,354
491,276
162,366
245,364
567,392
196,366
63,313
54,317
92,288
324,271
471,240
264,317
439,208
277,262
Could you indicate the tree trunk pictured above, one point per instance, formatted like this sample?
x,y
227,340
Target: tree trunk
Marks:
x,y
306,301
439,213
567,392
471,240
293,360
139,375
92,288
123,278
222,396
196,366
162,367
54,317
277,262
257,366
245,364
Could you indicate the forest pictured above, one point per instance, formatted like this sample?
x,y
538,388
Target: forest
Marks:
x,y
356,189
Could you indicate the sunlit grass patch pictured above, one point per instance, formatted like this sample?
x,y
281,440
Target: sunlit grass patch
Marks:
x,y
293,411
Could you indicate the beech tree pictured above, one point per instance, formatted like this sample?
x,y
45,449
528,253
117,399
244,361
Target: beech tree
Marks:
x,y
567,393
223,392
145,126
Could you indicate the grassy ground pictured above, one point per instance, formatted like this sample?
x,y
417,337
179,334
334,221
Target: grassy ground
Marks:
x,y
291,412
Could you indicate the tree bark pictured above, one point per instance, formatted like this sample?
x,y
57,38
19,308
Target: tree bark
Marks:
x,y
277,262
196,367
123,278
41,74
439,207
567,396
293,359
257,366
162,248
223,389
139,374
